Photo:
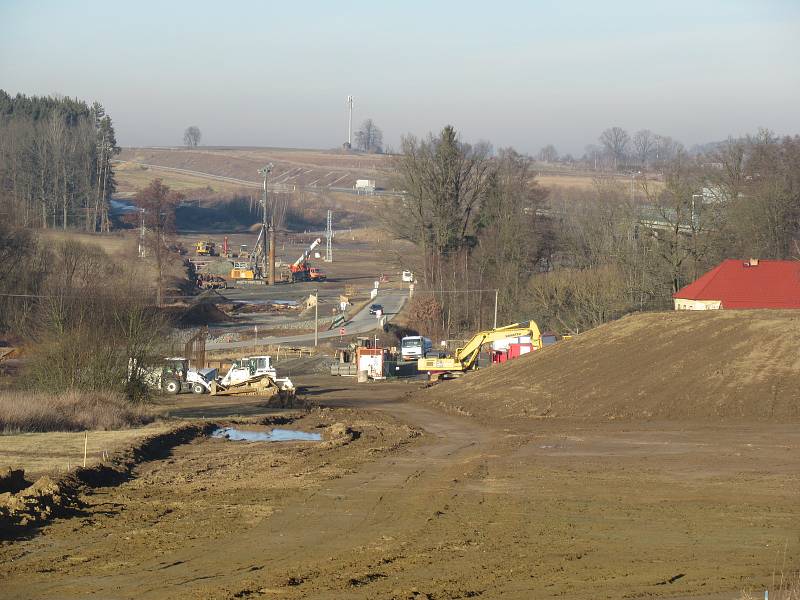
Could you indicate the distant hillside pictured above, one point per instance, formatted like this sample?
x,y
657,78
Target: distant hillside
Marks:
x,y
677,365
302,168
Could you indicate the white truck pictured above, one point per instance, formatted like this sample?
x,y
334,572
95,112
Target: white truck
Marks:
x,y
365,185
414,347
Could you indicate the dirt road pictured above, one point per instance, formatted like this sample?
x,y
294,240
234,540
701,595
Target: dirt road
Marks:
x,y
570,509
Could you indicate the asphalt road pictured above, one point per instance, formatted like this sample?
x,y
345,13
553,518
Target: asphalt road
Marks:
x,y
362,322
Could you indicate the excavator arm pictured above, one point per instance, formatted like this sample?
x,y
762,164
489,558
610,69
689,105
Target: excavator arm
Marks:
x,y
469,353
466,356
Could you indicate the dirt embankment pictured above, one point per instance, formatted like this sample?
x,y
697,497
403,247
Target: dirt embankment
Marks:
x,y
677,365
46,498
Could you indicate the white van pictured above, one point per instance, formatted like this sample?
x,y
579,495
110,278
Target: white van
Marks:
x,y
413,347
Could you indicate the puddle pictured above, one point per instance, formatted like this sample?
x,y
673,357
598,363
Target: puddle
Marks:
x,y
276,435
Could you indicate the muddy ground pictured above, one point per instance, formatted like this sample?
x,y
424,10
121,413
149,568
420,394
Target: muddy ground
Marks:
x,y
526,509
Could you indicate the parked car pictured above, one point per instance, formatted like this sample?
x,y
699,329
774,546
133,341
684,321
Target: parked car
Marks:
x,y
374,308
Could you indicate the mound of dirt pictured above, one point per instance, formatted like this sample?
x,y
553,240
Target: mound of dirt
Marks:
x,y
202,313
677,365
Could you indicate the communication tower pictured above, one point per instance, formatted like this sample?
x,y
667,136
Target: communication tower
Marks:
x,y
349,103
329,238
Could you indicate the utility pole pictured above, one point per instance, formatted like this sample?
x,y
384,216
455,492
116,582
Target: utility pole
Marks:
x,y
267,231
142,247
496,292
316,317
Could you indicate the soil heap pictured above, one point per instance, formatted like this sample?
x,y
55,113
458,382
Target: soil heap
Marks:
x,y
676,365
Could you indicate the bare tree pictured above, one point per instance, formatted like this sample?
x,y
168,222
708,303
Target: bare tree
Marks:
x,y
644,144
548,154
159,203
191,137
369,138
616,141
678,222
666,149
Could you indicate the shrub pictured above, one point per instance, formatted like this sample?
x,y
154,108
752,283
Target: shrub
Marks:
x,y
68,411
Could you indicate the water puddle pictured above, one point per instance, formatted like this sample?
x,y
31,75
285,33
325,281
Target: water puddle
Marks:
x,y
276,435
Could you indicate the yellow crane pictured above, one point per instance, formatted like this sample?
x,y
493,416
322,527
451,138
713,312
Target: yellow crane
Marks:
x,y
466,357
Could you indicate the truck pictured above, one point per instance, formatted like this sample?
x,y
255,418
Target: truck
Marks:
x,y
466,358
413,347
365,185
300,270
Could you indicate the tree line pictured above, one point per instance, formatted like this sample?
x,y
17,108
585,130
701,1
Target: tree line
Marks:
x,y
571,258
80,314
55,162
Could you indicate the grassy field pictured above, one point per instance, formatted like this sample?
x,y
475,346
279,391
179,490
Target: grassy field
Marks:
x,y
132,177
588,183
116,244
54,452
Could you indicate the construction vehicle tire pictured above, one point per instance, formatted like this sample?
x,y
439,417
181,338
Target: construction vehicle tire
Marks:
x,y
197,388
172,386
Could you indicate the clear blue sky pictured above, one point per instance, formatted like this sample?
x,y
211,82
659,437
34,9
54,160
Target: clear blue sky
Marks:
x,y
519,74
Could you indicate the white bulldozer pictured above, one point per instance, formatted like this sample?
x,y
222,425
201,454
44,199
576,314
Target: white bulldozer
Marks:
x,y
253,376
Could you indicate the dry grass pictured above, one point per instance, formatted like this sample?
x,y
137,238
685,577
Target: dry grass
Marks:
x,y
68,411
587,182
56,452
132,178
784,587
119,244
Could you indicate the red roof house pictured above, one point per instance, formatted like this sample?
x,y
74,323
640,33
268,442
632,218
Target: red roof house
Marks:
x,y
743,284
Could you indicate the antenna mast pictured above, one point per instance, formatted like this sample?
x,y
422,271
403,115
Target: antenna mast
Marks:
x,y
349,103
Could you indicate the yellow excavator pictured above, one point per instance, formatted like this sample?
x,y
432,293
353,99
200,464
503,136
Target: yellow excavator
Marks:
x,y
466,358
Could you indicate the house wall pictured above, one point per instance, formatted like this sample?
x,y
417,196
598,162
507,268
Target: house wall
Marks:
x,y
685,304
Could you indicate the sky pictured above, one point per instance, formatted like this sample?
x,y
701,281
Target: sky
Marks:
x,y
514,73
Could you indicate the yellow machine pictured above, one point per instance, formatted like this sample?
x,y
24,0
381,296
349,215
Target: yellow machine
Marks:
x,y
466,358
205,248
243,270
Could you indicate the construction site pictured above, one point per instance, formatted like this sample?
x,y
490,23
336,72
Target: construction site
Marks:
x,y
448,371
654,456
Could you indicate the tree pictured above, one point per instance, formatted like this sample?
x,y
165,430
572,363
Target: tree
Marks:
x,y
513,235
616,141
446,180
159,203
55,162
548,154
191,137
644,143
369,138
666,149
678,222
